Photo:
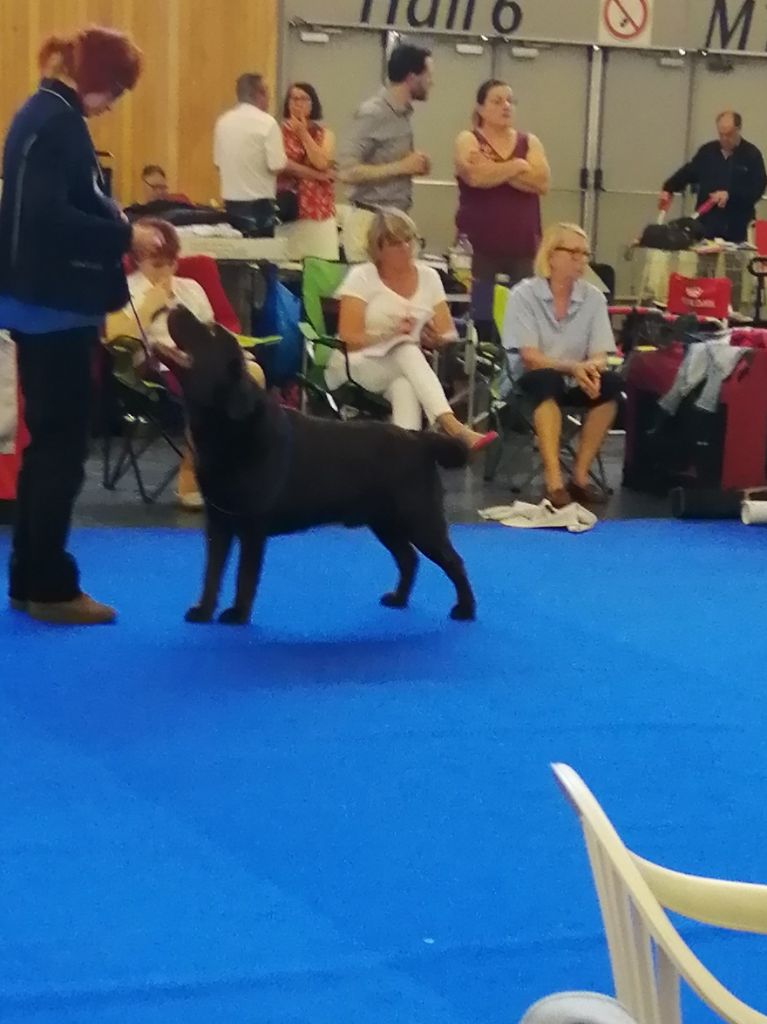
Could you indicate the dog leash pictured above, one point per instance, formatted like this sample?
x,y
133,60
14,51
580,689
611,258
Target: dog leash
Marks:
x,y
143,337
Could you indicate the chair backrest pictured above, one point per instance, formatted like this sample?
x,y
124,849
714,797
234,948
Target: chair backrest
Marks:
x,y
320,281
500,298
700,296
204,270
647,954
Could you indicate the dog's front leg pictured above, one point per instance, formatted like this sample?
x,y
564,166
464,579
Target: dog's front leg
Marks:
x,y
252,546
218,543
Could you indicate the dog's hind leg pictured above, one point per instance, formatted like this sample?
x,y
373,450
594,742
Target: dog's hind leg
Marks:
x,y
218,543
404,555
440,551
248,573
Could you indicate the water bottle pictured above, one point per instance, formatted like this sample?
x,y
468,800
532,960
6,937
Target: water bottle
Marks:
x,y
459,261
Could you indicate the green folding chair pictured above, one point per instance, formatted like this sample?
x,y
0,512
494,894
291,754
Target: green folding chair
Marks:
x,y
320,282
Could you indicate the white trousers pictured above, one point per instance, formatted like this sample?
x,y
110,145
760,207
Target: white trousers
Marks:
x,y
403,376
310,238
354,235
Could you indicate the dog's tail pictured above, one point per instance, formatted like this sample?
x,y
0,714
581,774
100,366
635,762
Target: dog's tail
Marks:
x,y
448,452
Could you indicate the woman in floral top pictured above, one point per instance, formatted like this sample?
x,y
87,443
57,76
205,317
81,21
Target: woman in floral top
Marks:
x,y
310,174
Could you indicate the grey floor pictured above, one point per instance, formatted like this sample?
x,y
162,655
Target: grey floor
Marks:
x,y
465,491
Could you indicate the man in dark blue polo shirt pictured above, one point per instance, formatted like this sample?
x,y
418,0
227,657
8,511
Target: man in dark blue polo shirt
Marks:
x,y
730,171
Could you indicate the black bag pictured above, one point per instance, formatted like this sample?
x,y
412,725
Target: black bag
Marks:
x,y
674,236
287,206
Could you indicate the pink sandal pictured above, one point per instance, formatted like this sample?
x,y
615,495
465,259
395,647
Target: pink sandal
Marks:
x,y
484,441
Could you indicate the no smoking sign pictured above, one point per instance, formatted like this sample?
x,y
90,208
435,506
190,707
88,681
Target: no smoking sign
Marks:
x,y
625,22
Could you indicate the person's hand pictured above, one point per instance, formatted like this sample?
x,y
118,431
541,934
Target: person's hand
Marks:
x,y
145,241
430,338
327,175
158,297
415,164
588,379
664,199
404,327
171,356
720,197
518,166
299,125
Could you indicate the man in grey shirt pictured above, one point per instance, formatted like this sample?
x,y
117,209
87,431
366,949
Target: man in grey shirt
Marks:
x,y
378,160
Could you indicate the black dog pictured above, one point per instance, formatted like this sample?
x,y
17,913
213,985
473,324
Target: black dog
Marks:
x,y
264,470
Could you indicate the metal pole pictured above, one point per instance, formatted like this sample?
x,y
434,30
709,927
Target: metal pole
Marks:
x,y
593,132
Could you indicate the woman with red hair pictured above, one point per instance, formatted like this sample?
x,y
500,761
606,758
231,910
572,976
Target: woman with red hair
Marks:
x,y
61,246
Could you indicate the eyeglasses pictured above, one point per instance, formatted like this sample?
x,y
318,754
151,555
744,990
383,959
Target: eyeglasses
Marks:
x,y
584,253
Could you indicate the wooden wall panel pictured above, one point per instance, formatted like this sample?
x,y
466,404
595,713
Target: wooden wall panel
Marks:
x,y
209,65
193,52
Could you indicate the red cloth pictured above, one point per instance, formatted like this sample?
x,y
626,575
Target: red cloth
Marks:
x,y
10,463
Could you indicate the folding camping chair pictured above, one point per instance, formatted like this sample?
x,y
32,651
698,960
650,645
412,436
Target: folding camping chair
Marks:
x,y
511,415
320,281
148,408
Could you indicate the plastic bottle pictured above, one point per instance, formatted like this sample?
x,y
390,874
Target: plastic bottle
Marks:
x,y
459,260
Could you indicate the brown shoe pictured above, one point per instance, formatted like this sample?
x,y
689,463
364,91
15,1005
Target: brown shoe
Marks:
x,y
588,495
17,604
559,498
80,611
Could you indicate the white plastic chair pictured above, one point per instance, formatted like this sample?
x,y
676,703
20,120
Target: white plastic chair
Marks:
x,y
647,954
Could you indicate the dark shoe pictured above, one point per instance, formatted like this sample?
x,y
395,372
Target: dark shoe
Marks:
x,y
588,495
17,604
80,611
559,498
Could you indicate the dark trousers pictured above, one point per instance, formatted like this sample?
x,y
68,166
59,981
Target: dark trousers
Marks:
x,y
484,269
254,217
540,385
55,378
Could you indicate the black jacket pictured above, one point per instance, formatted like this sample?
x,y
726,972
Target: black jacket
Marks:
x,y
742,175
61,238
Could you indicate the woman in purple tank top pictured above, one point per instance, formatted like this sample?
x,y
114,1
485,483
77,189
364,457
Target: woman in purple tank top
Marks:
x,y
502,173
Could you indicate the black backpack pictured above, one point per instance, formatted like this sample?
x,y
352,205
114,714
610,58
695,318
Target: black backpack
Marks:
x,y
677,234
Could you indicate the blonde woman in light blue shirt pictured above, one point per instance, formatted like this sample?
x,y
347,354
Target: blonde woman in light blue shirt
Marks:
x,y
557,336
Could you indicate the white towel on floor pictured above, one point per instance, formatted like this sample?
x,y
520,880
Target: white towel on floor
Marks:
x,y
573,517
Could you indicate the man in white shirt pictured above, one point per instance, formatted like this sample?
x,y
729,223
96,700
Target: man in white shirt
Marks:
x,y
249,153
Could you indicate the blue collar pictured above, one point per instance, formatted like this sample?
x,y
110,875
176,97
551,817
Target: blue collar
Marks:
x,y
542,291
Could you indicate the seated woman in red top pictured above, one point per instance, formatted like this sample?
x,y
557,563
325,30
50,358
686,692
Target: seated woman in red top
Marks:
x,y
309,175
502,173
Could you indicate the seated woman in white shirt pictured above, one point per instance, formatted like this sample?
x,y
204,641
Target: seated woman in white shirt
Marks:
x,y
391,309
154,290
557,336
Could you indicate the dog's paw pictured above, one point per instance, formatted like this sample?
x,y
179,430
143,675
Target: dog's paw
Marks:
x,y
199,614
393,600
463,613
233,617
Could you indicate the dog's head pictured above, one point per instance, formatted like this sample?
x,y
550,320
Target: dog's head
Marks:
x,y
212,371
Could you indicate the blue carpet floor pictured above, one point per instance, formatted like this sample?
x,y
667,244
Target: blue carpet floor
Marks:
x,y
345,813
